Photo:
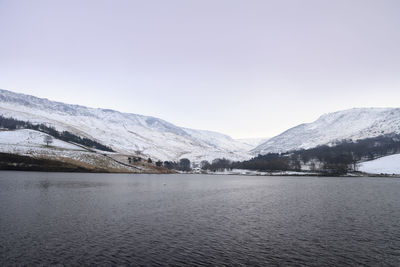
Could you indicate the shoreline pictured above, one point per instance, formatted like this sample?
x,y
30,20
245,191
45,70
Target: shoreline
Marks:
x,y
360,175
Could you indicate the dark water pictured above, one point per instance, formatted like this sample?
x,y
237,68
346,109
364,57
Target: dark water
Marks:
x,y
82,219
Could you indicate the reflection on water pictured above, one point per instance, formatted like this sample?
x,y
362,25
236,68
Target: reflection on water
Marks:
x,y
46,184
118,219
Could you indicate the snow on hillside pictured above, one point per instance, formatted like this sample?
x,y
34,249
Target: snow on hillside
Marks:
x,y
30,139
387,165
124,132
354,124
217,140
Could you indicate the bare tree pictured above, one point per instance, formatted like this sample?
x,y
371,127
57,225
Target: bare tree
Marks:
x,y
48,140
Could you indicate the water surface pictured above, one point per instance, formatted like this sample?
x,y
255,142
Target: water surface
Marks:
x,y
122,219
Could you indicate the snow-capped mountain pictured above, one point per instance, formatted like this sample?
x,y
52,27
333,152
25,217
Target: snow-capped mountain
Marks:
x,y
124,132
354,124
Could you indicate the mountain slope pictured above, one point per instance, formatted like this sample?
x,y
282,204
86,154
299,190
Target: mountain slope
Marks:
x,y
124,132
30,144
31,139
354,124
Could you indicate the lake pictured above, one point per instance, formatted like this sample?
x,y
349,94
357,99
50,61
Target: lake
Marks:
x,y
124,219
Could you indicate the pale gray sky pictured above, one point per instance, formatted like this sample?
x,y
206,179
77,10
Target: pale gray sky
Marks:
x,y
245,68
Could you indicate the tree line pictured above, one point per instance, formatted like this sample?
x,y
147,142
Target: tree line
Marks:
x,y
13,124
182,165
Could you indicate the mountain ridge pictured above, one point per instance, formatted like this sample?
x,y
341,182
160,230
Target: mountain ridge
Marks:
x,y
131,133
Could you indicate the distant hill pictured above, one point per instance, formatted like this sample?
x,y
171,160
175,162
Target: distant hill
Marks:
x,y
253,142
352,124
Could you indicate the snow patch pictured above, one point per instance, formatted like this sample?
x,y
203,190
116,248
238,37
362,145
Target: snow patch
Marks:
x,y
386,165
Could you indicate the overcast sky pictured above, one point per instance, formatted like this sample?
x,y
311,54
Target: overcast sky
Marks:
x,y
245,68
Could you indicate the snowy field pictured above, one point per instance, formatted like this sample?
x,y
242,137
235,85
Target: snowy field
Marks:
x,y
30,139
387,165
